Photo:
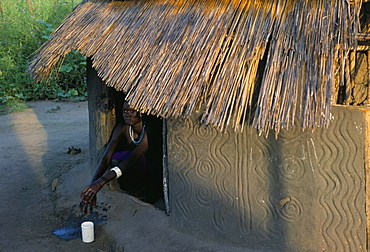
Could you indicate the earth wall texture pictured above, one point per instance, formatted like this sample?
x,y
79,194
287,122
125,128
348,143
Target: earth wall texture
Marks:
x,y
302,191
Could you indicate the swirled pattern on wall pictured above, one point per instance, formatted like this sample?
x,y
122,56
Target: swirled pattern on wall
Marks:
x,y
303,188
205,169
291,210
204,196
292,168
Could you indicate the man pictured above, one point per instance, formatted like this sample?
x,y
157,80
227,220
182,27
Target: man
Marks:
x,y
128,146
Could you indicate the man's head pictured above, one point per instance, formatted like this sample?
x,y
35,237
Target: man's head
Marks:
x,y
130,115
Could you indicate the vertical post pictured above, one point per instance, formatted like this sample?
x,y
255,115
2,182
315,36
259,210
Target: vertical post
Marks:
x,y
101,114
368,78
350,78
165,167
367,171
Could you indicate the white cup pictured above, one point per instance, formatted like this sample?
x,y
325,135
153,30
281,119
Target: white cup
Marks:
x,y
87,228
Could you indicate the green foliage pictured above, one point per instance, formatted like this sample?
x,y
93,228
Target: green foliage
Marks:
x,y
24,27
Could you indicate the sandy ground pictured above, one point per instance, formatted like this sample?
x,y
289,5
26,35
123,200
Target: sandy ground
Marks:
x,y
34,147
40,185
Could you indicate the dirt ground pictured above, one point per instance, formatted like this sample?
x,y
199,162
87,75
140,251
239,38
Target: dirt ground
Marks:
x,y
40,184
34,146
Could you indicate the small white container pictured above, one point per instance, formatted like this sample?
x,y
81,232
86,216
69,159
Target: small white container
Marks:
x,y
87,228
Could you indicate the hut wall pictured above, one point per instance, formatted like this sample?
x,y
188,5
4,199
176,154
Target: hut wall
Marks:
x,y
304,191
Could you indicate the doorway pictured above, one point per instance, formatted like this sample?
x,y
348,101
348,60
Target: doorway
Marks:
x,y
157,154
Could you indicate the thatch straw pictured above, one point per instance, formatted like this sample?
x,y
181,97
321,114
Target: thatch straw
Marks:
x,y
171,57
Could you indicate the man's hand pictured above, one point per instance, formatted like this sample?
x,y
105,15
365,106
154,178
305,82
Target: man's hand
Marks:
x,y
86,206
88,196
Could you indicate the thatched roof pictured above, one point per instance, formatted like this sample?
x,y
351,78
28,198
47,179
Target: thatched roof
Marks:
x,y
271,60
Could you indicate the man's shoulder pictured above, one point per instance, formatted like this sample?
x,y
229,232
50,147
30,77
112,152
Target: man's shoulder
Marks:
x,y
120,128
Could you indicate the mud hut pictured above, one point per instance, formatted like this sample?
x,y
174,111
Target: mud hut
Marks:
x,y
257,151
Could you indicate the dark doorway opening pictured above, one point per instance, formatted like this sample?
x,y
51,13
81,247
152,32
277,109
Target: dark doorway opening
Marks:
x,y
152,187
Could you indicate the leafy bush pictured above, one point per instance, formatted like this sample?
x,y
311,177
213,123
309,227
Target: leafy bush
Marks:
x,y
24,27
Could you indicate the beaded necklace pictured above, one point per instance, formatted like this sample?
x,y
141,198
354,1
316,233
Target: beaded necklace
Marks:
x,y
131,133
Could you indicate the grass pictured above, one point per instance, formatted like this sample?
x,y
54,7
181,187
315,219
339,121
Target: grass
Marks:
x,y
24,26
13,107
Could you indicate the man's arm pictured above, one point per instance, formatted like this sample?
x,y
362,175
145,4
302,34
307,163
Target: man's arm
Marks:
x,y
111,148
89,193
